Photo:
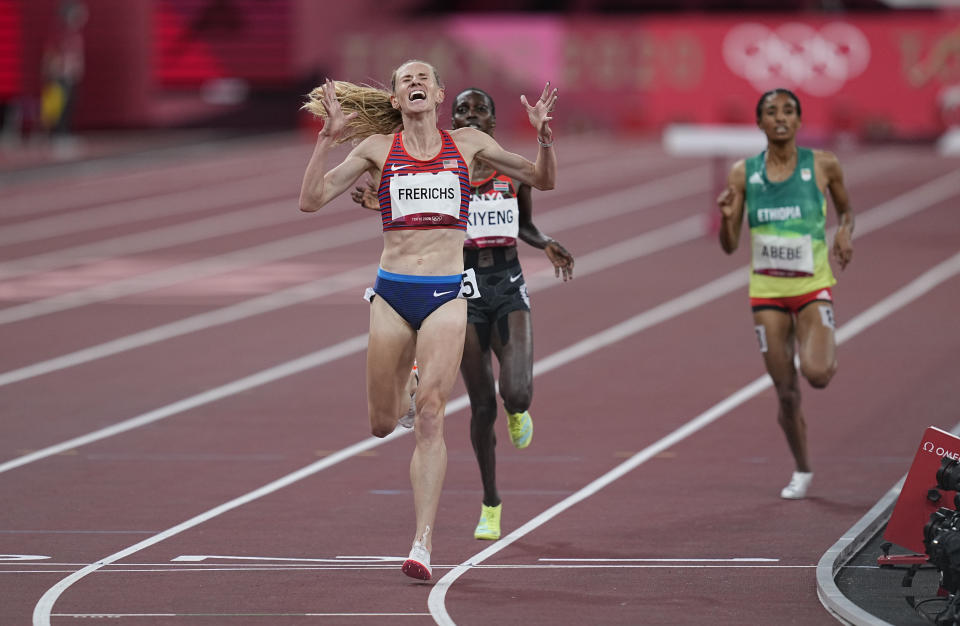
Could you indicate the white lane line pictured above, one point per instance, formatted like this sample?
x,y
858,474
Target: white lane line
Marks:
x,y
608,205
277,212
393,568
630,200
897,208
687,229
678,232
616,203
337,236
238,221
391,563
330,353
554,220
929,280
342,235
215,194
34,531
89,616
41,612
243,191
112,187
889,305
738,559
283,154
201,321
436,601
199,558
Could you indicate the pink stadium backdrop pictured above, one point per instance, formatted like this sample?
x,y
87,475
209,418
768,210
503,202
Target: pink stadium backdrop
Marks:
x,y
873,74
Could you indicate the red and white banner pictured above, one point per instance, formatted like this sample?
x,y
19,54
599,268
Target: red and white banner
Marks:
x,y
888,75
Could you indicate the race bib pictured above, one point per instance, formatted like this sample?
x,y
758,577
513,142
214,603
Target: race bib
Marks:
x,y
425,198
468,285
782,256
494,222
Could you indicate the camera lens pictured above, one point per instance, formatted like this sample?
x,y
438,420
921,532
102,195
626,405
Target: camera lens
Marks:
x,y
948,476
939,520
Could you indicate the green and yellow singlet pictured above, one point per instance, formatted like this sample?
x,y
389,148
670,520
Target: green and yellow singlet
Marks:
x,y
787,221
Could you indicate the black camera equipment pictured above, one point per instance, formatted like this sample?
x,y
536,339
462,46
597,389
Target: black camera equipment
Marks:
x,y
941,537
948,476
941,540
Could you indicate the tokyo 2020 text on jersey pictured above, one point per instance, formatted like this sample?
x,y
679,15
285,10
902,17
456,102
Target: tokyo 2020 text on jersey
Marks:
x,y
415,194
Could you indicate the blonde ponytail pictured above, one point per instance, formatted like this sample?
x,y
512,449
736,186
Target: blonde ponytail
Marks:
x,y
376,113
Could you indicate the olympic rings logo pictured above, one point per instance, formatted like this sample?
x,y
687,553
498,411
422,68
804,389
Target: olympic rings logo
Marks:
x,y
796,56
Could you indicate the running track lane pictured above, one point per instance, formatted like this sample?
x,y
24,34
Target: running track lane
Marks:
x,y
534,490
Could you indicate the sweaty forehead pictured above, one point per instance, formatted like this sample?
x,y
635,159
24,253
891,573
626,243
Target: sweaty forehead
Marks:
x,y
414,69
471,96
779,98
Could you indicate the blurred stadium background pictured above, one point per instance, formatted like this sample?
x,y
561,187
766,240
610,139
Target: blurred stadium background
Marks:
x,y
864,69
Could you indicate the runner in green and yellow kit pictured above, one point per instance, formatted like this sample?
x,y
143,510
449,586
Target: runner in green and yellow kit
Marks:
x,y
781,190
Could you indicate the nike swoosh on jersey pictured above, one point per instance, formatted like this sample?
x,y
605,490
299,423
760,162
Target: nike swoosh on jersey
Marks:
x,y
394,167
514,279
442,293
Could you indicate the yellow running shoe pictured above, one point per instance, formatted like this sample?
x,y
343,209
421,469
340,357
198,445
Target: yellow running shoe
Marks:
x,y
489,526
521,429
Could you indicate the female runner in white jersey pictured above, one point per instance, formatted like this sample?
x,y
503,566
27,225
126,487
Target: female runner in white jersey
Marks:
x,y
782,192
417,314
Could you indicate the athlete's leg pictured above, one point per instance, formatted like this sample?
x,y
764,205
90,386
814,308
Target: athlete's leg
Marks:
x,y
818,347
439,349
390,354
477,373
513,345
778,339
516,362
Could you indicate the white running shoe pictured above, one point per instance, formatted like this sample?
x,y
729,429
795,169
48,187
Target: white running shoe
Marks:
x,y
417,564
797,489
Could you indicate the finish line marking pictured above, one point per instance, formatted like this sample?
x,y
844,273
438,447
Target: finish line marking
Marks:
x,y
287,569
196,558
733,560
117,615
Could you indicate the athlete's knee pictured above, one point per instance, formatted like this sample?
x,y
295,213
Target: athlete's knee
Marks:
x,y
382,425
516,389
819,376
381,431
517,398
429,414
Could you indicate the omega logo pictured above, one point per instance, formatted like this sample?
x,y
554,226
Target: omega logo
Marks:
x,y
939,451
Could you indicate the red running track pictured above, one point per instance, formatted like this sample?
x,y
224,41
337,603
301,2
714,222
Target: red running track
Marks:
x,y
184,438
